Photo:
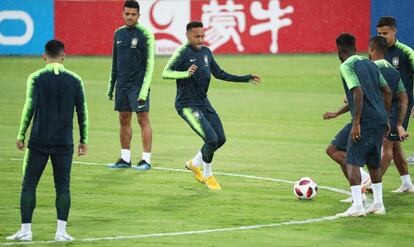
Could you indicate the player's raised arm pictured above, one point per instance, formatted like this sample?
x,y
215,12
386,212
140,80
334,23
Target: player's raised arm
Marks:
x,y
173,68
28,110
219,73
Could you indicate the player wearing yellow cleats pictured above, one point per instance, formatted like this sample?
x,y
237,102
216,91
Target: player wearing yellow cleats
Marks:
x,y
211,183
198,175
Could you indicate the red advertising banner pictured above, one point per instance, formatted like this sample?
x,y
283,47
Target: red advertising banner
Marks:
x,y
285,26
232,26
87,27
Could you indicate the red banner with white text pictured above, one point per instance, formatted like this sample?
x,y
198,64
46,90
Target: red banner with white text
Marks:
x,y
231,26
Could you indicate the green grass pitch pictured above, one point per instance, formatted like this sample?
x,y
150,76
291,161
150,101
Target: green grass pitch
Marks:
x,y
274,130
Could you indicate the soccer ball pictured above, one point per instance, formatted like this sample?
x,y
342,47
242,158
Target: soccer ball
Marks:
x,y
305,189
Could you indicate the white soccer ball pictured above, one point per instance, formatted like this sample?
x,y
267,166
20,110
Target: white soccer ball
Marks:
x,y
305,189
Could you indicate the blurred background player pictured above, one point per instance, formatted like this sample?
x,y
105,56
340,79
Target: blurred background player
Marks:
x,y
192,65
53,93
402,58
132,69
366,91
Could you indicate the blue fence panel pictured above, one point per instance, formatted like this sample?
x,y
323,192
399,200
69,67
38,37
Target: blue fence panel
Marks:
x,y
25,26
402,10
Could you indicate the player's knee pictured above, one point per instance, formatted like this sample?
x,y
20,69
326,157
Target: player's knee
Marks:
x,y
143,122
28,188
62,188
124,118
213,142
29,185
221,141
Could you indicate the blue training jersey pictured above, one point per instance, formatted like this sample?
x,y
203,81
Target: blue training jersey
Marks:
x,y
360,72
192,89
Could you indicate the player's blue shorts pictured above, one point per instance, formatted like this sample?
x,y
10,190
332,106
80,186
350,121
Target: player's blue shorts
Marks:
x,y
367,150
393,135
126,101
340,141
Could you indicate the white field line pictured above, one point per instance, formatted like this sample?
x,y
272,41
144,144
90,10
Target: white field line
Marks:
x,y
333,189
171,234
295,222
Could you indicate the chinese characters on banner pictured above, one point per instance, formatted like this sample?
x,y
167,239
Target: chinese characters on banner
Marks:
x,y
225,22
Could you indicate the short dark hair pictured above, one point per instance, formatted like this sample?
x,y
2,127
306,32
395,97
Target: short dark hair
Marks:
x,y
346,42
54,48
378,43
194,24
387,21
131,4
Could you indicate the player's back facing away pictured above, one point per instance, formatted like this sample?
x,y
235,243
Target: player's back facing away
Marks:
x,y
53,93
359,71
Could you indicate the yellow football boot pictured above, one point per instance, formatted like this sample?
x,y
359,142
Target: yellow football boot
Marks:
x,y
198,175
212,183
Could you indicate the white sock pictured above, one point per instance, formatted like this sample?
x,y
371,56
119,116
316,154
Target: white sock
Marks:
x,y
126,155
146,157
27,227
377,190
61,226
356,195
207,170
198,159
406,179
364,174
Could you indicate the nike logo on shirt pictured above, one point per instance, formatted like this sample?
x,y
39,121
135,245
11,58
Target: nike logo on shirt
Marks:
x,y
192,60
119,42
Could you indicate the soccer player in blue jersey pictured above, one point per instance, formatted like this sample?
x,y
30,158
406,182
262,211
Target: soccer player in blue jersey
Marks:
x,y
53,93
192,65
336,150
131,75
402,58
368,97
377,51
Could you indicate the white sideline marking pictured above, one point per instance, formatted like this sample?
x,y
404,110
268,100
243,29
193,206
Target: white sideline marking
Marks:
x,y
295,222
170,234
